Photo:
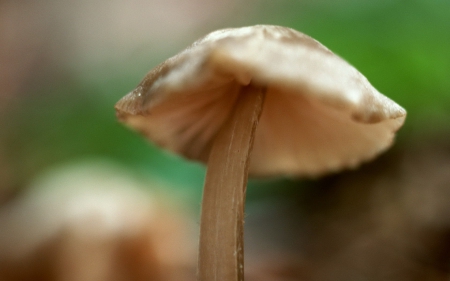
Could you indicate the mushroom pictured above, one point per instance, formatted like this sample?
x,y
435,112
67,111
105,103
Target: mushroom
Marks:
x,y
93,221
259,100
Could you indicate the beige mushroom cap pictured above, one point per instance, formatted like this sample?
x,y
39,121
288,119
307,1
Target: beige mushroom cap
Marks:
x,y
320,113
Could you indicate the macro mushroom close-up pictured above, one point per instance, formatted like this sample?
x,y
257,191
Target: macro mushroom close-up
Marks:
x,y
257,101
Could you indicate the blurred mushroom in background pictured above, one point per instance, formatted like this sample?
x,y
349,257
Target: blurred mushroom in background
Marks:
x,y
390,220
93,221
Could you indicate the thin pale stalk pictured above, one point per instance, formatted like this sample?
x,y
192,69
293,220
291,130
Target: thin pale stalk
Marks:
x,y
221,255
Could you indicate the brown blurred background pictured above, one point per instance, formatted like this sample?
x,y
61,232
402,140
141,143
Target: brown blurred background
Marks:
x,y
63,65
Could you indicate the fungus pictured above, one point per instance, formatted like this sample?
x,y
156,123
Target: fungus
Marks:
x,y
259,101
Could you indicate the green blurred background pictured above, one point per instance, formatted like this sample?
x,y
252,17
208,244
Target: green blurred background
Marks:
x,y
64,64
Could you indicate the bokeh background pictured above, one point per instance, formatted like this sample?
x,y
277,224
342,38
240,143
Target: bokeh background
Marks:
x,y
64,64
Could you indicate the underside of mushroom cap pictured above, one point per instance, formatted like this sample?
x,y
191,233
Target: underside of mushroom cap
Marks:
x,y
320,113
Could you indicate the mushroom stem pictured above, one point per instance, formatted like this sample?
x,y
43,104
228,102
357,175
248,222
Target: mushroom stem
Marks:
x,y
221,255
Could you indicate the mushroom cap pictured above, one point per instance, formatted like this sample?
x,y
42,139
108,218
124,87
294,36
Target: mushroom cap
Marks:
x,y
320,113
